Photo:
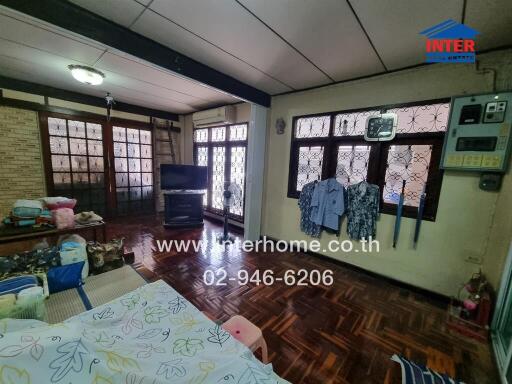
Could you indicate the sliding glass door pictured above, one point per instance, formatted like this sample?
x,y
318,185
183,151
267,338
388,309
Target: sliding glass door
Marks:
x,y
107,168
502,323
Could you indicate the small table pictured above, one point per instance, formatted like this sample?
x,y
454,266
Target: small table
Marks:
x,y
13,235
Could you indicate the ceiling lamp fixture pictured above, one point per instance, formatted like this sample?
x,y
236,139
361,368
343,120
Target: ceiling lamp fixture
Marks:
x,y
87,75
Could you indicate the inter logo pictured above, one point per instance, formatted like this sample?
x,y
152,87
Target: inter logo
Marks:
x,y
450,42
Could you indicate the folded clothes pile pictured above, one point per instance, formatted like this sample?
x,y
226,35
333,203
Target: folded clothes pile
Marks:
x,y
29,213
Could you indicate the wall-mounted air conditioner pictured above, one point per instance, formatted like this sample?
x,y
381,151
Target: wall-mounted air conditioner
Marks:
x,y
216,116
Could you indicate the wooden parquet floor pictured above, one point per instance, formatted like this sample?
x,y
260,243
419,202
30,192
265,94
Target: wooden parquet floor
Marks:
x,y
343,334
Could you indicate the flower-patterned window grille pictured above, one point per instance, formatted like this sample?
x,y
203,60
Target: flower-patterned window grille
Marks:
x,y
333,145
133,165
76,153
223,150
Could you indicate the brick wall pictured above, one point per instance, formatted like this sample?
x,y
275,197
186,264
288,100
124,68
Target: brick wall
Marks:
x,y
21,163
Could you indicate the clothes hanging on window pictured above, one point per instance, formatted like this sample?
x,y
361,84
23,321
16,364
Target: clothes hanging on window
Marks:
x,y
306,224
363,208
328,204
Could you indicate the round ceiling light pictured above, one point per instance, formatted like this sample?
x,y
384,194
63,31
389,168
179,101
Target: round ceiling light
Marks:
x,y
86,75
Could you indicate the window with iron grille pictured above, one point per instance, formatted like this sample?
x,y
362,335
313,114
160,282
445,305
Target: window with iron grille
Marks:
x,y
223,150
332,145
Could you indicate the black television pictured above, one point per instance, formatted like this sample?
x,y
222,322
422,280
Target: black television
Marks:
x,y
177,176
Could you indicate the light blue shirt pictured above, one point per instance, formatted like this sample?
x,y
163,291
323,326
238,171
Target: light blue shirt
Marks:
x,y
328,204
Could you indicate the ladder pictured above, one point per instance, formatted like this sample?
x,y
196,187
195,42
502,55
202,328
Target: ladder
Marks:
x,y
170,141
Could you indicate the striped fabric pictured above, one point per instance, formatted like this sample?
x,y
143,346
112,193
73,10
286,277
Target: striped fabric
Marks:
x,y
413,373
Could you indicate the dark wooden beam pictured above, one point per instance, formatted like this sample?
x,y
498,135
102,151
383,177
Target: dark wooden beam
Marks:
x,y
57,93
22,104
78,20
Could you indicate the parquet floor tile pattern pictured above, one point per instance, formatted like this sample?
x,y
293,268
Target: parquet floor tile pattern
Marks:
x,y
339,334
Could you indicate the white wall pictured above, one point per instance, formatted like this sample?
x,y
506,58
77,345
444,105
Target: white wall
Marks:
x,y
466,215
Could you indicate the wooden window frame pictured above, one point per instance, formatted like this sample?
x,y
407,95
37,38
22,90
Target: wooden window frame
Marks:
x,y
377,162
227,144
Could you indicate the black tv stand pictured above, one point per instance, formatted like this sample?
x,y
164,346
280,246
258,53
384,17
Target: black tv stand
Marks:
x,y
183,209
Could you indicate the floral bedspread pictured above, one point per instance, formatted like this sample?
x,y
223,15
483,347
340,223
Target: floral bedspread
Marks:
x,y
149,336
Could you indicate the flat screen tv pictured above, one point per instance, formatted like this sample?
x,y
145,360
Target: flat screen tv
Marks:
x,y
175,176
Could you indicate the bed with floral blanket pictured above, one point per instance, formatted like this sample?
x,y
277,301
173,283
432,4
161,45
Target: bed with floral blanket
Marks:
x,y
149,336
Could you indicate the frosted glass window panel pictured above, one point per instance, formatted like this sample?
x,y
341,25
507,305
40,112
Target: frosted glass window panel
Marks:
x,y
134,165
94,131
95,148
78,146
60,163
132,135
121,179
218,134
119,133
79,164
352,124
147,179
133,150
146,151
422,118
120,149
200,135
145,137
146,165
96,164
121,165
76,128
218,169
59,145
238,132
410,163
135,179
312,127
309,165
57,127
352,163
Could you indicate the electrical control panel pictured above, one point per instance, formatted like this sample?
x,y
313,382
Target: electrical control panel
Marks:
x,y
479,136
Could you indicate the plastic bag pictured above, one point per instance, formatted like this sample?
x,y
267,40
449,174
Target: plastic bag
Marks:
x,y
64,218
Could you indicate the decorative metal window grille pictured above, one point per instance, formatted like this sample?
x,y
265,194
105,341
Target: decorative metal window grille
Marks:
x,y
201,135
409,163
310,127
352,163
223,150
218,134
238,132
77,166
202,160
309,165
218,170
352,124
237,175
133,167
319,151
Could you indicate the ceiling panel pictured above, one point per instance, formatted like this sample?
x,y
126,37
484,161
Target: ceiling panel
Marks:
x,y
122,12
229,26
35,36
183,89
493,19
38,52
159,29
326,32
394,26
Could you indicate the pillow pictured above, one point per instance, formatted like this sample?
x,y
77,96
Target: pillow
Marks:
x,y
17,284
65,277
59,202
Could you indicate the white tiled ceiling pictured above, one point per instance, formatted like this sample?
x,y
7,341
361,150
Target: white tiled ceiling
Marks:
x,y
37,52
273,45
493,19
394,26
325,32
